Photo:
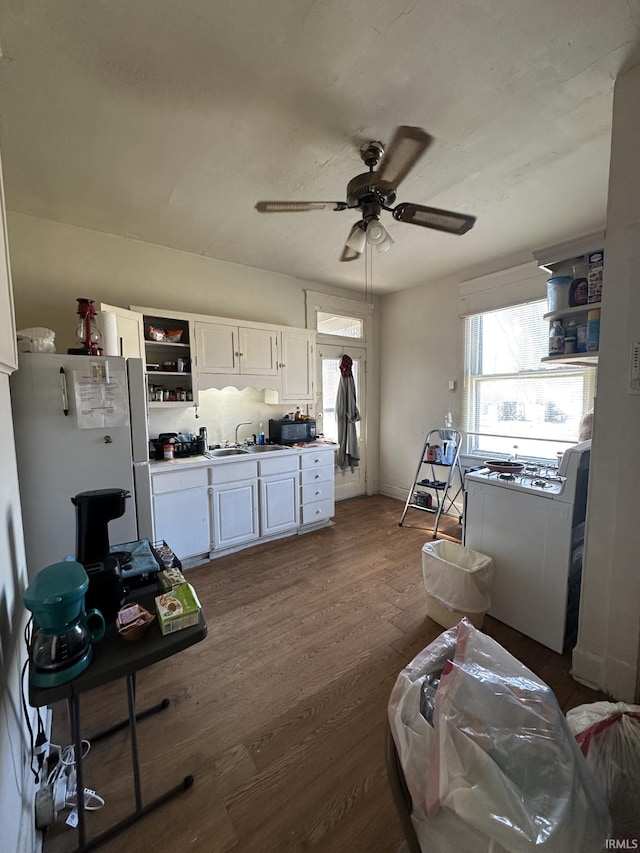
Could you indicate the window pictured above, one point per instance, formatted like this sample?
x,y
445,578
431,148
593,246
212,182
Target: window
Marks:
x,y
513,402
335,324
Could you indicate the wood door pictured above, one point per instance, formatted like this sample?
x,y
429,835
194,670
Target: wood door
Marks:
x,y
217,348
258,351
297,367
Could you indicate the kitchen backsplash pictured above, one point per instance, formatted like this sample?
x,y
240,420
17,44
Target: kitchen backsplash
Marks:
x,y
220,411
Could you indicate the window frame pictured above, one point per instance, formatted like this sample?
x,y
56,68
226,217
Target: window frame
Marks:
x,y
472,382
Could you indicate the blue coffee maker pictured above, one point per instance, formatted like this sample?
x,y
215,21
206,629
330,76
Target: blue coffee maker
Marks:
x,y
63,635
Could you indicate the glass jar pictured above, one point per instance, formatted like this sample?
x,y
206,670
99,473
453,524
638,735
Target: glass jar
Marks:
x,y
556,338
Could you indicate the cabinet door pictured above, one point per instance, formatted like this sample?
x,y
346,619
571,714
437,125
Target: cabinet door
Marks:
x,y
235,513
279,508
217,348
297,367
182,520
129,330
258,351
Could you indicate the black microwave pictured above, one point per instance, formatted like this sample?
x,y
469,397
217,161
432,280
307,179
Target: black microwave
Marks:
x,y
287,431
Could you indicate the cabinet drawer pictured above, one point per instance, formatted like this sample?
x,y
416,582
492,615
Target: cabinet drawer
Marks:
x,y
317,511
322,490
317,458
316,475
175,481
229,472
278,464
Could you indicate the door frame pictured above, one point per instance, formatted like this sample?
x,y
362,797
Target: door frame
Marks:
x,y
315,302
348,484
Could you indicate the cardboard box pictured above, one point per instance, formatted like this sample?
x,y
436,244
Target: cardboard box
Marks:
x,y
178,608
168,578
595,268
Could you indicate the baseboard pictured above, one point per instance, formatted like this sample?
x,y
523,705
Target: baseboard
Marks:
x,y
609,675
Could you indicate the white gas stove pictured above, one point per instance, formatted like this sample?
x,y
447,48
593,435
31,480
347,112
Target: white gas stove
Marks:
x,y
541,479
528,524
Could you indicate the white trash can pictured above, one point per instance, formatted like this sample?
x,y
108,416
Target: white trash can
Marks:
x,y
458,582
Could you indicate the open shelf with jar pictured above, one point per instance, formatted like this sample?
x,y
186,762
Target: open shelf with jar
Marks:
x,y
167,345
574,294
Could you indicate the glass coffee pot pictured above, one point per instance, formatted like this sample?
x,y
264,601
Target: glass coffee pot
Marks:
x,y
63,636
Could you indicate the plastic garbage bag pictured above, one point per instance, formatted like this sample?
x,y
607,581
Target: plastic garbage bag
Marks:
x,y
459,577
497,769
608,734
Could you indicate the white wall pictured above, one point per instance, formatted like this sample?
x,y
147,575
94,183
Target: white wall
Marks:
x,y
607,651
17,787
420,337
53,264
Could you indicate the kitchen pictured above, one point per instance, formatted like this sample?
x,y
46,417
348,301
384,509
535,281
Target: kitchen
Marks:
x,y
54,262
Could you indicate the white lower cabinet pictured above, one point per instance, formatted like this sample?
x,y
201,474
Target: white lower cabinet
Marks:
x,y
181,511
234,497
279,505
317,490
211,509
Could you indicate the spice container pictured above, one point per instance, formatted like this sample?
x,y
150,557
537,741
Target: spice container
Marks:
x,y
168,451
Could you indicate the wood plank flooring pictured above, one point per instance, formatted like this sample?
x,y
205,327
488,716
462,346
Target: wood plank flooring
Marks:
x,y
280,713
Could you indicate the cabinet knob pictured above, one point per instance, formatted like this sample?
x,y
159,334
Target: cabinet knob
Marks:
x,y
318,511
317,476
318,492
316,460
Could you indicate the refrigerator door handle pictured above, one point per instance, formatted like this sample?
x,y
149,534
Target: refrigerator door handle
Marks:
x,y
65,391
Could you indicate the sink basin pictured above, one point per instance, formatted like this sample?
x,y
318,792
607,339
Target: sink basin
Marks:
x,y
225,451
263,448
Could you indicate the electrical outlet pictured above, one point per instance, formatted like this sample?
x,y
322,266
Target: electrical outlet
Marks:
x,y
452,385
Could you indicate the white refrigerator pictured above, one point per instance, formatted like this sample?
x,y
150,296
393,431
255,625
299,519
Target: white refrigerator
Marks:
x,y
80,424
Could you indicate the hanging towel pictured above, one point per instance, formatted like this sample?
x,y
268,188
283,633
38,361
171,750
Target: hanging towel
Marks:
x,y
347,415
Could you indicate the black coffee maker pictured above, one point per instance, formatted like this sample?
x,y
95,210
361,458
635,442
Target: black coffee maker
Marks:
x,y
94,511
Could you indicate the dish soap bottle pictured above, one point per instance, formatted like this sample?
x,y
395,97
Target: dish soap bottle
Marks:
x,y
556,338
261,439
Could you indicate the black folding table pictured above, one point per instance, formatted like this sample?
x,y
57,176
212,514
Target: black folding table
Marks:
x,y
115,657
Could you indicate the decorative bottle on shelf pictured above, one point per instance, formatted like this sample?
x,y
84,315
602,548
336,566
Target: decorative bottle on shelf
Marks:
x,y
556,338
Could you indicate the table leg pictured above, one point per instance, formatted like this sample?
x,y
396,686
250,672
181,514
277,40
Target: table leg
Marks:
x,y
131,697
123,724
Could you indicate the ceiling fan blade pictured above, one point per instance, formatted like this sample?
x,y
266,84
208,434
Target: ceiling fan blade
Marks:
x,y
298,206
405,149
433,217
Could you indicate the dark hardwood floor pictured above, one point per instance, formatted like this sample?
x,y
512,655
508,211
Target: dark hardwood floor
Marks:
x,y
280,713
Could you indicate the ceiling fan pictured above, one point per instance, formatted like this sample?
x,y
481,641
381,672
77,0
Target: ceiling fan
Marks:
x,y
375,190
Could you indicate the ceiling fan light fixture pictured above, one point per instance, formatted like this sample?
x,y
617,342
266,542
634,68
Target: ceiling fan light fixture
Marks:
x,y
386,244
357,239
378,236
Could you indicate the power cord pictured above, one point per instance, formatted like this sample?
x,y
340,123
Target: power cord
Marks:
x,y
60,790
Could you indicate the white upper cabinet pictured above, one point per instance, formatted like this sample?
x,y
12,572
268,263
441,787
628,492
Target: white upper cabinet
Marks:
x,y
223,348
297,366
129,332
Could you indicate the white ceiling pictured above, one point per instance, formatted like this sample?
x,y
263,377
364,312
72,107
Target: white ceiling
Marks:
x,y
166,121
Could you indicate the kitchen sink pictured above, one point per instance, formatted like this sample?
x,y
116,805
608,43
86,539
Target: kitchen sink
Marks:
x,y
225,451
264,448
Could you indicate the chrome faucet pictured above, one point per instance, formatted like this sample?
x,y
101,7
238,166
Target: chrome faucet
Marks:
x,y
244,423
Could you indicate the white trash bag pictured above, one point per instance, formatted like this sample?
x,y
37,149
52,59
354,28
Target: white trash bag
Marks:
x,y
608,734
487,754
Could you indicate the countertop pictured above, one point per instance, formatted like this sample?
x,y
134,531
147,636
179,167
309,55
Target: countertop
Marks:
x,y
195,461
